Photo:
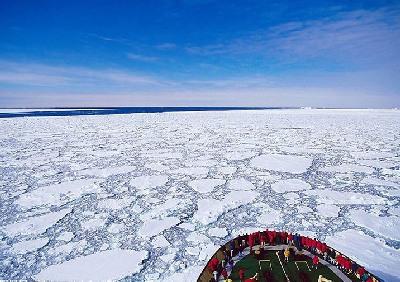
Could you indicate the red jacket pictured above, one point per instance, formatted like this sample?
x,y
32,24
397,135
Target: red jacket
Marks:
x,y
361,271
347,264
213,264
241,274
339,260
313,243
324,247
224,273
315,260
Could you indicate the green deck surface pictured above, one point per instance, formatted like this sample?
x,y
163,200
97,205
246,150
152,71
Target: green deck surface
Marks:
x,y
251,266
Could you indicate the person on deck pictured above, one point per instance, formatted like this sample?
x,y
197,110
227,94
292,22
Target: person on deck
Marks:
x,y
315,262
215,275
231,263
213,264
232,247
241,274
360,272
290,239
224,273
286,253
263,239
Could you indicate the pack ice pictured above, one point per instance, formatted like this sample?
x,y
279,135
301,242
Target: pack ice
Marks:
x,y
150,197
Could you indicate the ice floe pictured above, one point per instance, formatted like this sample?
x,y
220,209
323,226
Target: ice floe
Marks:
x,y
107,265
210,209
240,185
106,172
205,185
66,236
35,225
217,232
29,246
160,242
328,210
57,194
148,181
152,227
290,185
328,196
343,168
282,163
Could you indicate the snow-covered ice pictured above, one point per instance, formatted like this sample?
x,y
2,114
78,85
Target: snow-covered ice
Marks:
x,y
57,194
35,225
205,185
387,226
107,265
290,185
345,198
282,163
328,210
343,168
29,246
152,227
370,252
217,232
156,194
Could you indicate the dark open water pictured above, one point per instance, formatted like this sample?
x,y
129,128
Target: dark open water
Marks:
x,y
123,110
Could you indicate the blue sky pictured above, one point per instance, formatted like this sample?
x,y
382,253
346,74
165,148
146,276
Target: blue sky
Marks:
x,y
200,53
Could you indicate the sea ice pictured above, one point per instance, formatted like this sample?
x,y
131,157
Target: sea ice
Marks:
x,y
269,217
210,209
115,204
205,185
387,226
328,196
189,274
144,169
35,225
160,242
187,226
29,246
107,265
283,163
327,210
66,236
227,169
116,228
370,252
153,227
236,156
94,223
290,185
379,182
217,232
149,181
193,171
57,194
343,168
106,172
394,211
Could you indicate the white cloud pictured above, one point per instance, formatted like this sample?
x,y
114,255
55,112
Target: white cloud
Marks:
x,y
360,36
142,58
166,46
45,75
